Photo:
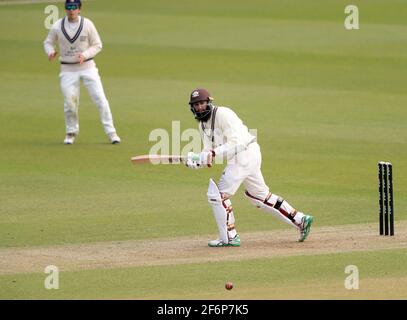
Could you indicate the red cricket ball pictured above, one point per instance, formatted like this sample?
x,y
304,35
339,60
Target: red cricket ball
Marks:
x,y
228,285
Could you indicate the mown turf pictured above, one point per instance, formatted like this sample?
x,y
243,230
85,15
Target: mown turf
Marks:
x,y
309,277
327,103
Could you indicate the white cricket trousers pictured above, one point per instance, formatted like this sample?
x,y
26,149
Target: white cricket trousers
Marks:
x,y
244,168
70,86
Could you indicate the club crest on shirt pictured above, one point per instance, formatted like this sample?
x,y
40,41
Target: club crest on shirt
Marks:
x,y
82,38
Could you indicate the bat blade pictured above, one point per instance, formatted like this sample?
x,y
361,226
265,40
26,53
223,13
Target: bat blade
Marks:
x,y
158,159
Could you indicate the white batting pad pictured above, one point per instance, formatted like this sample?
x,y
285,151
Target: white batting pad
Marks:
x,y
215,200
268,208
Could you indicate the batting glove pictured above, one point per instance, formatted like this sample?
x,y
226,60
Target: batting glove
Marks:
x,y
193,161
199,160
205,158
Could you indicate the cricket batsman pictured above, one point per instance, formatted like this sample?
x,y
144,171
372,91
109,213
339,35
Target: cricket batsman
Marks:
x,y
79,43
224,135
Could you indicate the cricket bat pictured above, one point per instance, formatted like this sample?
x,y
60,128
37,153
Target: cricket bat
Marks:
x,y
158,159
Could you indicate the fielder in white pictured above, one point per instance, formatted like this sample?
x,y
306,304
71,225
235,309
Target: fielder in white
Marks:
x,y
79,43
225,135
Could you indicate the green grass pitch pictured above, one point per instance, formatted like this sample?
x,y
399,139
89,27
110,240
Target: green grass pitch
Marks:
x,y
328,104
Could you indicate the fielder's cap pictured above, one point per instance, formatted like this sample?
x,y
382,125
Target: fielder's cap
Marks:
x,y
77,2
200,94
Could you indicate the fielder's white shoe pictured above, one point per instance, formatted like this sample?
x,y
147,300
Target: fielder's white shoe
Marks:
x,y
69,138
114,138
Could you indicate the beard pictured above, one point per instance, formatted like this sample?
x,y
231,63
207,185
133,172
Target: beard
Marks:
x,y
205,118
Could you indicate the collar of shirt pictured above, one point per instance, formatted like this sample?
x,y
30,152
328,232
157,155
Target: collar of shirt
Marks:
x,y
74,25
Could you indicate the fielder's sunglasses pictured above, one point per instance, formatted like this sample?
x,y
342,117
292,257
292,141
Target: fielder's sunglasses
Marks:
x,y
71,7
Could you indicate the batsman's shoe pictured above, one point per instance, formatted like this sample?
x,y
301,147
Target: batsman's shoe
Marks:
x,y
69,138
114,138
235,242
306,227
